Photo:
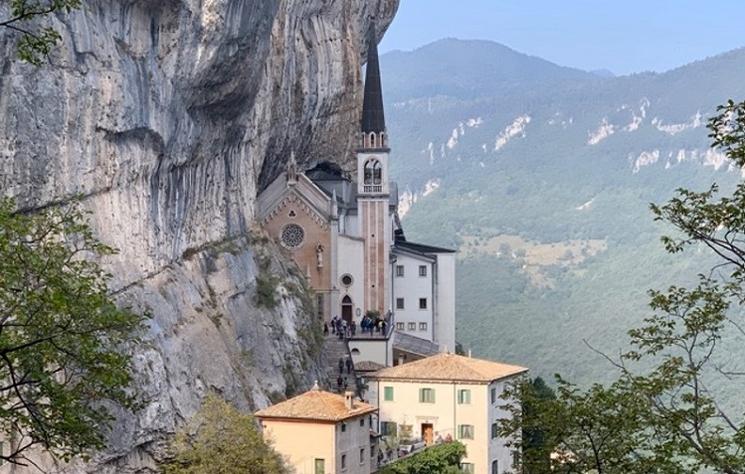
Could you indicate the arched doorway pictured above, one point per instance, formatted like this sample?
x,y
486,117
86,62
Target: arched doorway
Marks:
x,y
346,309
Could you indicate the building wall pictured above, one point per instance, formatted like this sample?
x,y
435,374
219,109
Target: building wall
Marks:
x,y
445,307
374,220
315,233
411,287
351,261
446,415
376,350
292,440
497,447
350,442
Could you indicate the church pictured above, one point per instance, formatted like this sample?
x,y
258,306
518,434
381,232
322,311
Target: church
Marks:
x,y
345,234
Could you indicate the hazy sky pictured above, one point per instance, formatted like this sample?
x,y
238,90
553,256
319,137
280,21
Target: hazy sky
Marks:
x,y
621,35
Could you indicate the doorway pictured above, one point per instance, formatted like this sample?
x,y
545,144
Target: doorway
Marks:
x,y
346,309
428,433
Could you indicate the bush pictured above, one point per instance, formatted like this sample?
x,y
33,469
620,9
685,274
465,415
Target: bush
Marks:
x,y
439,459
222,439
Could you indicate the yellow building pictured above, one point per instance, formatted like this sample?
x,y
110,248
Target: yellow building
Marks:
x,y
320,432
444,397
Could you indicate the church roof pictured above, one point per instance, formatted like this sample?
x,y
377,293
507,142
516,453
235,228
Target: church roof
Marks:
x,y
316,405
326,171
373,117
446,367
421,248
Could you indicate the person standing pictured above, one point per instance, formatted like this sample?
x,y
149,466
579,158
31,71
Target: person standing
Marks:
x,y
341,365
349,365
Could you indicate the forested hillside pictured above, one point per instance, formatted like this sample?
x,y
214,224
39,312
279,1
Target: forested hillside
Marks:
x,y
542,177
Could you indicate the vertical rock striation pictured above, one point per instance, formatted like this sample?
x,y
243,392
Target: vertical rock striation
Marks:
x,y
167,117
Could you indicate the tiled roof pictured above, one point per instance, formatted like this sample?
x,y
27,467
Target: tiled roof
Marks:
x,y
420,248
368,366
316,405
450,367
414,345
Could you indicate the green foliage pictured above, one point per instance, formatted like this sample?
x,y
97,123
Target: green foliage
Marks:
x,y
63,341
599,430
266,288
266,284
661,415
221,439
438,459
537,449
35,43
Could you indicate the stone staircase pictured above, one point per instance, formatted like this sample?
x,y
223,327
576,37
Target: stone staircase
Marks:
x,y
333,350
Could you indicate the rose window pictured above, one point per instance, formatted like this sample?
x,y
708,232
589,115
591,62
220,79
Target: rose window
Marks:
x,y
293,235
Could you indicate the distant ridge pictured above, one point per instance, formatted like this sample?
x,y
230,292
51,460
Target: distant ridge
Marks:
x,y
541,175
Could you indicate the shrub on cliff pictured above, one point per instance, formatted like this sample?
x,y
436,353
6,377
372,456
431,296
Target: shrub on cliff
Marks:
x,y
221,439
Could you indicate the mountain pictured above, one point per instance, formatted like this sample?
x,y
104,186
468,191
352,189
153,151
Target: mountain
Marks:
x,y
165,118
606,73
541,176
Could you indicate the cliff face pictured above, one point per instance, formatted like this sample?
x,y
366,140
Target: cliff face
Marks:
x,y
168,116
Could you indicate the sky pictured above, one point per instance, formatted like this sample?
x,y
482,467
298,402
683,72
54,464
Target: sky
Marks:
x,y
623,36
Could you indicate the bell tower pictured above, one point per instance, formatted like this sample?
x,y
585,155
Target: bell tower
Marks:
x,y
373,187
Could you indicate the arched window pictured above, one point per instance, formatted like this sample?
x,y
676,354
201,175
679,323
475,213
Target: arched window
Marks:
x,y
382,140
372,139
373,172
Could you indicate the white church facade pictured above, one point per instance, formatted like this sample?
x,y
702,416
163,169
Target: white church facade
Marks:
x,y
345,234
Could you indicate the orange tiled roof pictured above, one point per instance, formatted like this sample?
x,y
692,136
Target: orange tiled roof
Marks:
x,y
447,367
316,405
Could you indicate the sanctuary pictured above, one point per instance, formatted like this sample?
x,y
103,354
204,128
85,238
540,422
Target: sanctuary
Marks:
x,y
344,232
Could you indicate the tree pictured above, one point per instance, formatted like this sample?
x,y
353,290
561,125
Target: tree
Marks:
x,y
660,415
35,42
537,452
62,338
221,439
599,430
439,459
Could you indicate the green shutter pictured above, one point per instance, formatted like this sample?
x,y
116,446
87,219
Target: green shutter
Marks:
x,y
388,394
464,397
426,395
320,466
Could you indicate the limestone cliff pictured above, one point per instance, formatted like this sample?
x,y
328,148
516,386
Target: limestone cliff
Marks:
x,y
167,116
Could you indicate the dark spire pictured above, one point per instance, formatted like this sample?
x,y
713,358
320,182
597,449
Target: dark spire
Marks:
x,y
373,118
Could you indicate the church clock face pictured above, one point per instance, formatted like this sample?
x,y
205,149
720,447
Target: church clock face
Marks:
x,y
292,236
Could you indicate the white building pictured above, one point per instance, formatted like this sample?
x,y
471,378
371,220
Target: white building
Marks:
x,y
447,397
345,234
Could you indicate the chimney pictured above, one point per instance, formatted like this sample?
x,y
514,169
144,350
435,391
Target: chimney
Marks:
x,y
469,353
349,400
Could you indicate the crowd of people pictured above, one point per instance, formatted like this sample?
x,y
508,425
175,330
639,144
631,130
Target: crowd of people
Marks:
x,y
369,325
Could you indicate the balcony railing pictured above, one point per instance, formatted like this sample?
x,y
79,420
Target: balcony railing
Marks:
x,y
373,188
376,333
